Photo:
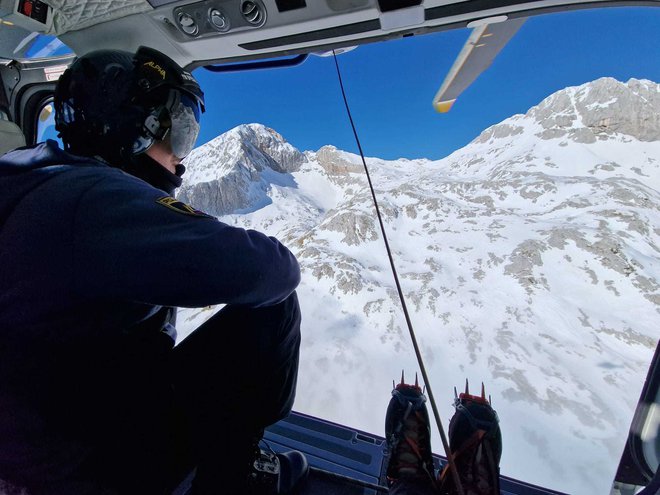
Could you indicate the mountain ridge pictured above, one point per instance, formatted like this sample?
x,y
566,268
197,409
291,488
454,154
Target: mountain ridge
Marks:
x,y
529,258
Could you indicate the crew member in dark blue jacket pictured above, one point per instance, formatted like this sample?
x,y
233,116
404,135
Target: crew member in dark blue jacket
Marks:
x,y
95,254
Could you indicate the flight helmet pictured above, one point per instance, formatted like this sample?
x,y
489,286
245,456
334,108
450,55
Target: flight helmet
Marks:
x,y
114,105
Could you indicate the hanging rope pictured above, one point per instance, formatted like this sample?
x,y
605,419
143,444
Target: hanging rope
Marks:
x,y
436,414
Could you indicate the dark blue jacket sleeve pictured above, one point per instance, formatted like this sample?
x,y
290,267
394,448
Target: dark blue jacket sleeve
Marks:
x,y
129,246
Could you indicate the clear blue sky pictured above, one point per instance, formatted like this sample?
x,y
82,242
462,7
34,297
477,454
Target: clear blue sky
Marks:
x,y
390,85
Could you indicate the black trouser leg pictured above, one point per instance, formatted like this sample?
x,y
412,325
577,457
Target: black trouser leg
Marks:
x,y
160,412
233,376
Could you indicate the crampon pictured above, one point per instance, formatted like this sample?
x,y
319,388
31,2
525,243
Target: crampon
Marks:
x,y
475,442
408,435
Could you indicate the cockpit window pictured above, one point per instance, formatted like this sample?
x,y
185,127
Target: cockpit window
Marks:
x,y
18,43
46,124
504,219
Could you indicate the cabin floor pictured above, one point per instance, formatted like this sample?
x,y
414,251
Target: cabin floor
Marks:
x,y
345,461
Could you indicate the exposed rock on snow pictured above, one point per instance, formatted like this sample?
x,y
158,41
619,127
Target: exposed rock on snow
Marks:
x,y
530,259
233,171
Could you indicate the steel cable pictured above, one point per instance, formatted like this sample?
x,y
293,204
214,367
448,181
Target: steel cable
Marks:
x,y
420,361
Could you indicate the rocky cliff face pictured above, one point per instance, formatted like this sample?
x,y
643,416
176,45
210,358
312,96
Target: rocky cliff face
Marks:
x,y
530,260
601,110
233,171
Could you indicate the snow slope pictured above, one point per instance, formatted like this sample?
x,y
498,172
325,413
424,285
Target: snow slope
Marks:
x,y
529,260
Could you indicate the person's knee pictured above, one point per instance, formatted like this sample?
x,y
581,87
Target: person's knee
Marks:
x,y
291,311
292,301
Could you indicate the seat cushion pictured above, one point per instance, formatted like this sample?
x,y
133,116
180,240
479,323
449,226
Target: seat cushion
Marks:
x,y
11,136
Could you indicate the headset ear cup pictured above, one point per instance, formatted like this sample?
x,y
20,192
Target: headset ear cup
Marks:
x,y
158,123
145,134
152,125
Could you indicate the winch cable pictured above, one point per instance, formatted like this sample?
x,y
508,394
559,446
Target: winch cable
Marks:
x,y
420,361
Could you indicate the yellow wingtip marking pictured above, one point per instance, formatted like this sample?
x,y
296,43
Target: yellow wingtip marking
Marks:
x,y
443,106
45,113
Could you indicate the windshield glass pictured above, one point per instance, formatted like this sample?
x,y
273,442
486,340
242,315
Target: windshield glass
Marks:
x,y
18,43
521,225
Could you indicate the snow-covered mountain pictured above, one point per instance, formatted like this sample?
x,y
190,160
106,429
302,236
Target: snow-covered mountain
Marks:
x,y
530,260
234,171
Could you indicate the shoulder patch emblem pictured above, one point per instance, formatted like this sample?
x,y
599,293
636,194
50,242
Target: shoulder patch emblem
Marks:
x,y
181,207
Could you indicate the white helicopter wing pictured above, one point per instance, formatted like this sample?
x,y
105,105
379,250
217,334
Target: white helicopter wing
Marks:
x,y
486,40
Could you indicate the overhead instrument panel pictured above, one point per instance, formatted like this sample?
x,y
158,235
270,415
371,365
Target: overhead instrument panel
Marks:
x,y
203,32
343,5
286,5
214,17
32,15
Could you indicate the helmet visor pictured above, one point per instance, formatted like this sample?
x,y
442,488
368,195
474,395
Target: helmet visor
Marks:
x,y
184,116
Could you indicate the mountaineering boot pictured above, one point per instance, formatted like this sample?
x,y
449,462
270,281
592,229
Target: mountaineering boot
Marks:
x,y
408,435
276,474
475,442
250,470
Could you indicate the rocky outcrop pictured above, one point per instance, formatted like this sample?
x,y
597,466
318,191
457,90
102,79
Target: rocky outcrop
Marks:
x,y
281,156
588,113
336,162
234,171
529,257
601,109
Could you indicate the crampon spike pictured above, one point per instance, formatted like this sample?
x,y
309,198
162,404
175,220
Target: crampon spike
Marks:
x,y
490,401
483,391
467,387
402,379
416,381
393,385
455,393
